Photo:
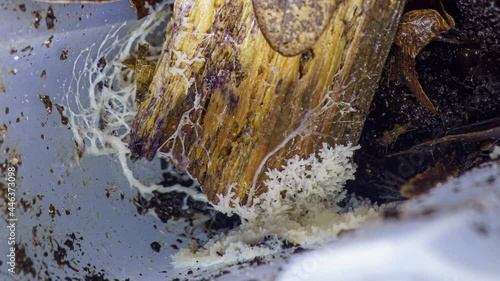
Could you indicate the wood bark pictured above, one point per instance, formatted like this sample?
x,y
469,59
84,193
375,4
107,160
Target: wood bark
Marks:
x,y
225,107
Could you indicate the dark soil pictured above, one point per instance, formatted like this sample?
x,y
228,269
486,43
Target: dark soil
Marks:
x,y
460,73
179,206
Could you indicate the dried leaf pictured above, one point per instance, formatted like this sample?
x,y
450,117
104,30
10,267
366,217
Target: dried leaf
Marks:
x,y
419,27
416,30
293,26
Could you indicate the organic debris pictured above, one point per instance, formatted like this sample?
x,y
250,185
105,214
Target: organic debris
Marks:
x,y
403,141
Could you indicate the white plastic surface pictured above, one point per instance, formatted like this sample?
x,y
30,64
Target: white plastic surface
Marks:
x,y
453,233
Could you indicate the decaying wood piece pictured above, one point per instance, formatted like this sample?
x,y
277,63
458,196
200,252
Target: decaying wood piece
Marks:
x,y
225,107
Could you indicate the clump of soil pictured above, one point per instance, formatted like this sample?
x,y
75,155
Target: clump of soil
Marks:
x,y
180,206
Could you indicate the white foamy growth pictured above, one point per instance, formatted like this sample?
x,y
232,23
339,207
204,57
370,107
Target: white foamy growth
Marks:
x,y
301,206
100,98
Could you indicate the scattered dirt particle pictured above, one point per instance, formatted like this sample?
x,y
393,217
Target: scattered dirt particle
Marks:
x,y
64,118
47,103
79,150
42,136
34,231
38,212
52,211
101,64
96,277
63,55
155,246
107,192
2,88
50,18
60,257
13,51
48,41
7,110
43,74
68,243
22,7
37,18
27,49
36,198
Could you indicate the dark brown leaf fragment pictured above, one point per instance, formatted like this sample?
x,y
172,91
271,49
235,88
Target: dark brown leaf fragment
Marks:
x,y
416,30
